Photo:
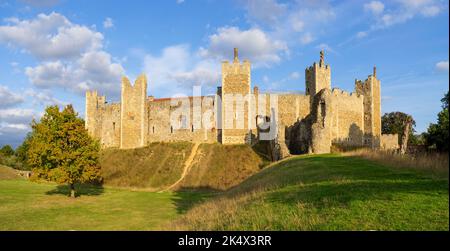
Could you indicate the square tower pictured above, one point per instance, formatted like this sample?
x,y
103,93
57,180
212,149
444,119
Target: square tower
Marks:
x,y
95,105
317,77
235,93
371,89
133,110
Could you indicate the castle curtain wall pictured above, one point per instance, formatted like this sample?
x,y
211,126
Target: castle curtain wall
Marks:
x,y
347,118
305,124
184,127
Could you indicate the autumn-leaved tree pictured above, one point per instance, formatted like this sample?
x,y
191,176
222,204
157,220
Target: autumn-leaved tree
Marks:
x,y
60,149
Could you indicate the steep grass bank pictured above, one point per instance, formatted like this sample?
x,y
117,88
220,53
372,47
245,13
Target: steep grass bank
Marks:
x,y
220,167
327,192
157,166
154,166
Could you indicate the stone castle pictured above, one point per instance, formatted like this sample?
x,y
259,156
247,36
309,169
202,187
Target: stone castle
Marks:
x,y
299,123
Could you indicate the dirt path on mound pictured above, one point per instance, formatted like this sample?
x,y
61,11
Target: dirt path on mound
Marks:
x,y
187,166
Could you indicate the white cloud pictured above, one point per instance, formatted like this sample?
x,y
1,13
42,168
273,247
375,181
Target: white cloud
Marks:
x,y
12,134
177,69
409,9
50,36
292,22
108,23
253,44
376,7
44,98
442,66
294,75
431,11
93,70
361,34
265,11
17,116
180,1
8,98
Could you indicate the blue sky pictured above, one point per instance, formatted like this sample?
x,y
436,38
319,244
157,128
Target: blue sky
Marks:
x,y
51,51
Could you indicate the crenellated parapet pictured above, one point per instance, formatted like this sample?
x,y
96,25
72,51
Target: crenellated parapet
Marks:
x,y
344,94
317,77
301,123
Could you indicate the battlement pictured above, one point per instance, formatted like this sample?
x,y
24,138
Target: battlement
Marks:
x,y
317,77
305,122
342,93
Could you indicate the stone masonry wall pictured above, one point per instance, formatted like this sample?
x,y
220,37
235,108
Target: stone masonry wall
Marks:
x,y
389,142
184,128
347,118
305,123
235,93
133,110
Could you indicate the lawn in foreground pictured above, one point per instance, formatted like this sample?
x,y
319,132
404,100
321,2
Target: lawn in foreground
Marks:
x,y
327,192
26,205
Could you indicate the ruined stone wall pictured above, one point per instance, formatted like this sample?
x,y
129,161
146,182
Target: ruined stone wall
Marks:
x,y
133,110
347,118
317,77
321,121
370,88
184,127
110,126
95,106
292,108
305,123
389,142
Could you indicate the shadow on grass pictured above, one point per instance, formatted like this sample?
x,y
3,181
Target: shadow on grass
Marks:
x,y
80,190
187,197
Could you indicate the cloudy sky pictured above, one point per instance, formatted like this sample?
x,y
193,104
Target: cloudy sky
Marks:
x,y
52,51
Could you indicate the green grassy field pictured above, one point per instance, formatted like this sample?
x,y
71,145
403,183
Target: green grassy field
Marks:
x,y
322,192
27,205
327,192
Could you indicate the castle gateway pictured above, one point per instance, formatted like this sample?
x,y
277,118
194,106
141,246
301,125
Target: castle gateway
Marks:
x,y
238,114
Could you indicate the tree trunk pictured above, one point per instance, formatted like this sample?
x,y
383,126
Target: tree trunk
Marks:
x,y
405,136
72,190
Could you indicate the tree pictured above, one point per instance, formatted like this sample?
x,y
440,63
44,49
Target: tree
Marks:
x,y
395,122
22,152
437,135
61,150
7,151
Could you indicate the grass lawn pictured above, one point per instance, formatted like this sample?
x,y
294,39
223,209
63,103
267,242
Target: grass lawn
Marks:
x,y
318,192
25,205
327,192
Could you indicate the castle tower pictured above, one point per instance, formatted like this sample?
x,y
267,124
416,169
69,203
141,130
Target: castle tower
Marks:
x,y
93,113
317,77
236,99
133,110
371,89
